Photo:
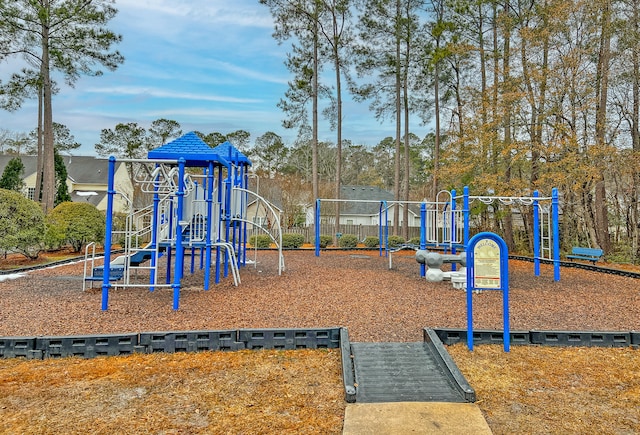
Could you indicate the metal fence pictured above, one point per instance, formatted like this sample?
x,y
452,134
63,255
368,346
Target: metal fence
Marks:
x,y
360,231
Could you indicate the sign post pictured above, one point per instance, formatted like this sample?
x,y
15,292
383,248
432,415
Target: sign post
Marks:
x,y
487,269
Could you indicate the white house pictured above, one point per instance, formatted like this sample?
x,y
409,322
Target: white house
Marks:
x,y
363,207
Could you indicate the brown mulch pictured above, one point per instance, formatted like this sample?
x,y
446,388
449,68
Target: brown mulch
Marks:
x,y
358,291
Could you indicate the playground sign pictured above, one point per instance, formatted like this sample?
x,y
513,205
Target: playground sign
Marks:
x,y
487,269
487,264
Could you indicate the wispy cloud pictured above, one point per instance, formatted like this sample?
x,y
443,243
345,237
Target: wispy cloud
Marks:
x,y
161,93
216,12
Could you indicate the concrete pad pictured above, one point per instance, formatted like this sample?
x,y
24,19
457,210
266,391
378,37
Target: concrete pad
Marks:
x,y
414,418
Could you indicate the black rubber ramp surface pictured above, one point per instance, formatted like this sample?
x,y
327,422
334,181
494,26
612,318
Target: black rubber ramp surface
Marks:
x,y
402,372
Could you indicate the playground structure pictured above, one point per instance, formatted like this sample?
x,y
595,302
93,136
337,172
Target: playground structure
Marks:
x,y
445,226
202,215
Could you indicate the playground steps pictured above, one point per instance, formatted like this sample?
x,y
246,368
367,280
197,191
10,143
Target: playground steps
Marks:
x,y
406,372
139,257
115,273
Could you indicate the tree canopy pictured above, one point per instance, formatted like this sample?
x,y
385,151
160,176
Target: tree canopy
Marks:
x,y
68,37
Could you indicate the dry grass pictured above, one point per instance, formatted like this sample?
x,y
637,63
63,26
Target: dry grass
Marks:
x,y
252,392
542,390
533,390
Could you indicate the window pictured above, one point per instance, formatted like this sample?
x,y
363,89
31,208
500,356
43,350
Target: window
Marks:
x,y
349,221
31,191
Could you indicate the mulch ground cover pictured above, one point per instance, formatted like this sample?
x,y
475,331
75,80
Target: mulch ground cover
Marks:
x,y
529,390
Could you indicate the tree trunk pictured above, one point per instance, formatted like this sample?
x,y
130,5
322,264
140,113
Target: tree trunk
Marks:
x,y
48,173
407,162
40,159
506,77
314,127
602,88
396,178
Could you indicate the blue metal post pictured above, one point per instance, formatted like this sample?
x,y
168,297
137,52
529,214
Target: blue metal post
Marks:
x,y
556,233
423,235
453,221
221,220
106,283
227,217
177,276
208,242
382,245
536,234
465,212
454,265
384,229
171,231
154,234
244,224
506,336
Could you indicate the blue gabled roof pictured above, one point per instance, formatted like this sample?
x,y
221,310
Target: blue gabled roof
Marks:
x,y
191,148
231,153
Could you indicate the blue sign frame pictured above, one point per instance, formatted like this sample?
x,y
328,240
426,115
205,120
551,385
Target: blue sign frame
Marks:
x,y
501,281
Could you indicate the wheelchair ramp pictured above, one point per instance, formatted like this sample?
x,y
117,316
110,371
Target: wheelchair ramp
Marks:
x,y
407,372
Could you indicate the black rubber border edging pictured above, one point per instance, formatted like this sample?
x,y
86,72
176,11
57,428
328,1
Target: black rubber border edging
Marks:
x,y
348,369
450,336
449,366
90,346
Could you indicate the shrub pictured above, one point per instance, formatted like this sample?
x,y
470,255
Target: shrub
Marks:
x,y
21,224
414,241
260,241
395,241
348,241
325,240
292,241
371,242
77,223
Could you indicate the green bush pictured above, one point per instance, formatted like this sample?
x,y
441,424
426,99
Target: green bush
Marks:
x,y
77,223
292,241
348,241
325,240
21,224
395,241
371,242
260,241
414,241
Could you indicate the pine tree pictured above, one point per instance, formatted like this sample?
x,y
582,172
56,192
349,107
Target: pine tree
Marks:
x,y
12,175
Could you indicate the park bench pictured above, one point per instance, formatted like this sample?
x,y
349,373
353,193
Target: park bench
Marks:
x,y
588,254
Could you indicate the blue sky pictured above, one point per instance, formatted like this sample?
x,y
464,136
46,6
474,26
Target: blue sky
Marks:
x,y
211,65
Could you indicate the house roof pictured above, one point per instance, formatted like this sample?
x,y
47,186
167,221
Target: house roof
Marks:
x,y
189,147
365,193
232,154
80,169
93,198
